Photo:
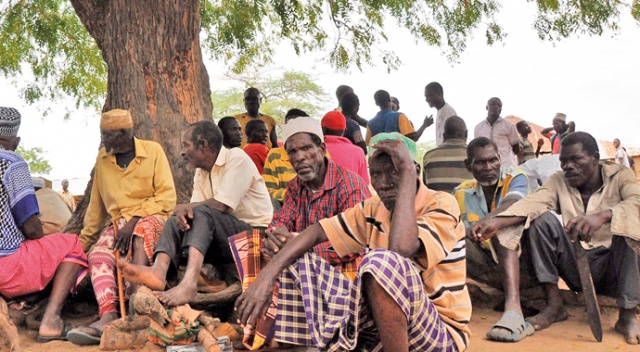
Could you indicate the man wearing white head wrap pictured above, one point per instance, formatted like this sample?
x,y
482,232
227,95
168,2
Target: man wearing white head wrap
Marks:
x,y
30,260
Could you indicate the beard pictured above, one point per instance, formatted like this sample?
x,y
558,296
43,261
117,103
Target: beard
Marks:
x,y
488,183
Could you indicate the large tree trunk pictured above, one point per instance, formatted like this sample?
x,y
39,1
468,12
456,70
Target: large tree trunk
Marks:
x,y
155,69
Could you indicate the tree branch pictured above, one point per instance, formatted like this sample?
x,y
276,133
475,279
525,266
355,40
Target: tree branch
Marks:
x,y
92,15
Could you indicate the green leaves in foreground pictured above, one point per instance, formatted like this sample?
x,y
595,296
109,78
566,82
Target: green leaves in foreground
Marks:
x,y
44,40
35,158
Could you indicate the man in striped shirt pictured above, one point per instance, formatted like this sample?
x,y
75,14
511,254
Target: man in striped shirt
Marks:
x,y
277,170
444,166
409,293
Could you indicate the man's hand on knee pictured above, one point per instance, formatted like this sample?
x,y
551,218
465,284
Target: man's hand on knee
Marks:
x,y
184,214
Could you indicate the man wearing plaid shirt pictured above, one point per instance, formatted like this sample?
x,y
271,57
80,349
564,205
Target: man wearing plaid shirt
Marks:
x,y
321,189
313,196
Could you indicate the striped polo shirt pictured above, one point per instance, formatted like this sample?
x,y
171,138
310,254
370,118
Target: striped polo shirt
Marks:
x,y
277,173
442,263
527,150
444,167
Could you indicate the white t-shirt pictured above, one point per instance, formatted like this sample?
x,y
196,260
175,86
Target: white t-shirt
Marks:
x,y
621,154
445,112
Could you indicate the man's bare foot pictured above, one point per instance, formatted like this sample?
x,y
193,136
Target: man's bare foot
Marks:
x,y
628,326
144,275
179,295
550,315
51,327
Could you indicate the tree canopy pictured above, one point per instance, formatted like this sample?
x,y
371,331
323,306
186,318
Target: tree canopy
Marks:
x,y
44,41
36,160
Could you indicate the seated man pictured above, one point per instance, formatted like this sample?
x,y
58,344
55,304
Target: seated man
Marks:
x,y
599,204
229,197
29,260
493,190
444,166
231,132
341,149
277,169
133,187
256,147
54,211
321,189
421,252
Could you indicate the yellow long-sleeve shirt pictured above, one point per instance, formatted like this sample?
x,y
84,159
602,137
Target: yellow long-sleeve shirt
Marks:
x,y
144,188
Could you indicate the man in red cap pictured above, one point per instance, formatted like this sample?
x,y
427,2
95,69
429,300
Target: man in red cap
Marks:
x,y
341,150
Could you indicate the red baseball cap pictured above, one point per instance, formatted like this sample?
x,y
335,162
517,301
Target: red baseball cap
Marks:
x,y
334,120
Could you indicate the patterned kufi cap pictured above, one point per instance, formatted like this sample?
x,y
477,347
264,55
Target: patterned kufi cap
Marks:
x,y
302,124
409,143
116,119
9,122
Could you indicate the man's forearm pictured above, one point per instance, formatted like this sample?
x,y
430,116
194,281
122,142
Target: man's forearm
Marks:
x,y
298,246
223,208
403,237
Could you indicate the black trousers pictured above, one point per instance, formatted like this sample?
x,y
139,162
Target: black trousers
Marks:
x,y
614,270
209,233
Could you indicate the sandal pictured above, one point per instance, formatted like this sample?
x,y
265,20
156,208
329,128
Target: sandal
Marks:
x,y
82,338
513,322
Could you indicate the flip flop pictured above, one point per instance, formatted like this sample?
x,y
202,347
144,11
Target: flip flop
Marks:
x,y
66,327
513,322
82,338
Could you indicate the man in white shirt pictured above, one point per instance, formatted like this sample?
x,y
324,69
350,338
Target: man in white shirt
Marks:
x,y
229,196
501,131
621,155
434,96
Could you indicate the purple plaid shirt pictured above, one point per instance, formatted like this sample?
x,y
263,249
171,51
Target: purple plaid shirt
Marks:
x,y
302,208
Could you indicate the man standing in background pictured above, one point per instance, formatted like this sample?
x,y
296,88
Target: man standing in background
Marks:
x,y
434,96
67,196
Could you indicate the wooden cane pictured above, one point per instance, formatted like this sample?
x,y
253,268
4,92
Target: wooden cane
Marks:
x,y
123,312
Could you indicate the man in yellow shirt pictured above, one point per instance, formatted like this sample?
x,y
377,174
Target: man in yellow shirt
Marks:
x,y
67,196
252,102
133,186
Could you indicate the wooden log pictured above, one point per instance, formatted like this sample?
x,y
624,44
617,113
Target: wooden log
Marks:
x,y
207,341
125,334
229,294
9,338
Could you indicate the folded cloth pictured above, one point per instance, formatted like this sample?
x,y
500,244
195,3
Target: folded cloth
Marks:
x,y
182,329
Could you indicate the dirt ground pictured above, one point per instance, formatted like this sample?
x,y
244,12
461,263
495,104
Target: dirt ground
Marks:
x,y
571,335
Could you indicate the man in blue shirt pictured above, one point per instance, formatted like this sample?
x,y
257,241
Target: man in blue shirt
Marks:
x,y
29,259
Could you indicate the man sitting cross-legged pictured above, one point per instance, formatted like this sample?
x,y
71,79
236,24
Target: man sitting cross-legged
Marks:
x,y
599,203
410,284
229,197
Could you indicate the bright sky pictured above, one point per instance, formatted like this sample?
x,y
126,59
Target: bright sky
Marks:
x,y
594,80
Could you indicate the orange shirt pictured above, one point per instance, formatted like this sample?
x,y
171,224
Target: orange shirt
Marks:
x,y
244,118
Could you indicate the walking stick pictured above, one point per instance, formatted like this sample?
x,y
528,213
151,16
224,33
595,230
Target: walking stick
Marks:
x,y
123,312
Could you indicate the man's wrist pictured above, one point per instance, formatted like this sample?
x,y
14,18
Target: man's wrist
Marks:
x,y
605,215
